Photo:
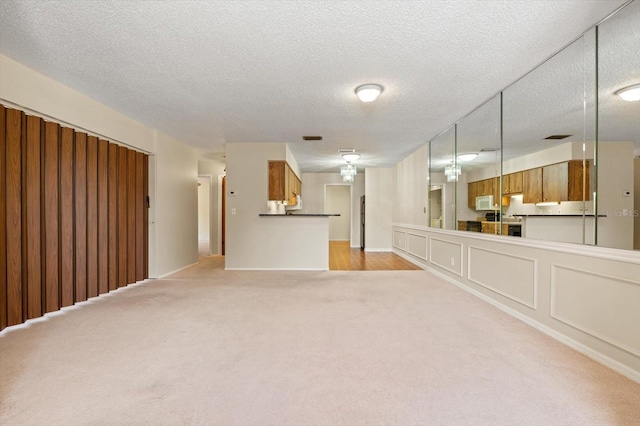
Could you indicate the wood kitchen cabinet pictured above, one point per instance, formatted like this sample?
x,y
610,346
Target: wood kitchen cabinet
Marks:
x,y
490,227
472,193
283,182
556,182
532,186
512,183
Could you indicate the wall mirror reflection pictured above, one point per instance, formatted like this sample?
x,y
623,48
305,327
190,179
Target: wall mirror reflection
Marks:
x,y
556,155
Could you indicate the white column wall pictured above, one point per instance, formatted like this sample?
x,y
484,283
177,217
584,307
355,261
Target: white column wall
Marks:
x,y
215,169
379,190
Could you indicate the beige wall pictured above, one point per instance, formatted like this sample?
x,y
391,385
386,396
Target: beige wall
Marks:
x,y
636,204
204,203
338,201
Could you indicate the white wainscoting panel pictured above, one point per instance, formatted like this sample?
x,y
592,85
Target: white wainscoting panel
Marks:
x,y
446,254
417,245
511,276
400,240
604,306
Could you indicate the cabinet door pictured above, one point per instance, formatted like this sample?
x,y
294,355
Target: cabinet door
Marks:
x,y
486,187
495,189
276,180
555,182
532,186
488,228
515,183
576,182
506,184
472,193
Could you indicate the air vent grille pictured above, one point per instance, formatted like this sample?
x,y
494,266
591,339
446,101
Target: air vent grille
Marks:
x,y
312,138
557,137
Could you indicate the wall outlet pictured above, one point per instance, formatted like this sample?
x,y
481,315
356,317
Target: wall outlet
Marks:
x,y
453,262
233,211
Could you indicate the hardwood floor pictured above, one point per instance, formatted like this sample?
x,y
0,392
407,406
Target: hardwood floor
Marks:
x,y
344,258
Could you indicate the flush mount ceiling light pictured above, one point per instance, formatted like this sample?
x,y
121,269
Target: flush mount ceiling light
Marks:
x,y
629,93
467,157
369,92
352,156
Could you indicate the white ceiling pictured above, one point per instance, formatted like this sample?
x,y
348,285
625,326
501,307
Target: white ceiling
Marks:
x,y
226,71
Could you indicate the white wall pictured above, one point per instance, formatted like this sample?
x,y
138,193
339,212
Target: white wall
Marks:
x,y
174,244
214,169
204,203
338,201
380,193
313,185
412,187
615,176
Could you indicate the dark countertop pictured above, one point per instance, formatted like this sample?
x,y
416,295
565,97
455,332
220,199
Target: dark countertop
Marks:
x,y
299,214
559,215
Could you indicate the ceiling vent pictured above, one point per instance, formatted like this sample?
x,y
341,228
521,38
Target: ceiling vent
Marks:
x,y
345,150
490,149
557,137
312,138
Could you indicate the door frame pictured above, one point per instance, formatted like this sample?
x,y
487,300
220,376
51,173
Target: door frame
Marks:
x,y
324,203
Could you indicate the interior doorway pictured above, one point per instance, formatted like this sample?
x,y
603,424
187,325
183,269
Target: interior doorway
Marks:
x,y
204,216
338,200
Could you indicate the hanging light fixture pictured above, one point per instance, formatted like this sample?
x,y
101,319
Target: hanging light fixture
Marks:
x,y
452,171
352,156
348,172
369,92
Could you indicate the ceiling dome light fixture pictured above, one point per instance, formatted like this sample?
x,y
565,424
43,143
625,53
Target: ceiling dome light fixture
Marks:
x,y
369,92
467,157
352,156
629,93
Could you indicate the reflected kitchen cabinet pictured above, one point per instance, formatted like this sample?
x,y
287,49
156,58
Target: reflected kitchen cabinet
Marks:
x,y
283,182
472,193
512,183
566,181
532,186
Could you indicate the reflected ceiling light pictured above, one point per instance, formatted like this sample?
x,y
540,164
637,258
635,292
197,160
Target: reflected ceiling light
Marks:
x,y
352,156
369,92
467,157
630,93
452,171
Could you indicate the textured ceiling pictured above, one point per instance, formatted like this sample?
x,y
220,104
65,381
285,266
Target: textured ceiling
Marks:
x,y
215,72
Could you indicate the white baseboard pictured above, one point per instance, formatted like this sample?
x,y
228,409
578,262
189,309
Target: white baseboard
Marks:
x,y
377,250
276,269
177,270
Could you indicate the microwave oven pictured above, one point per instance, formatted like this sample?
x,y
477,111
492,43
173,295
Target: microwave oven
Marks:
x,y
484,202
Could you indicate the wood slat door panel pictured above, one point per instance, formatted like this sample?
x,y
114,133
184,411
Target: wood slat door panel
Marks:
x,y
145,188
122,216
139,216
3,219
67,227
131,216
33,229
112,197
51,275
92,216
80,216
73,216
103,219
13,180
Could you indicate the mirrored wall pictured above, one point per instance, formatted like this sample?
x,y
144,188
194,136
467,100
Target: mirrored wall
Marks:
x,y
555,156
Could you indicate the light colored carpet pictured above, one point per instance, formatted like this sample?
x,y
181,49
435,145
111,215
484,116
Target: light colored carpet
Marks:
x,y
209,346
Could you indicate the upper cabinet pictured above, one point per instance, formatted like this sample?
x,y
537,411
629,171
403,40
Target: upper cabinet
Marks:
x,y
283,182
512,183
567,181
